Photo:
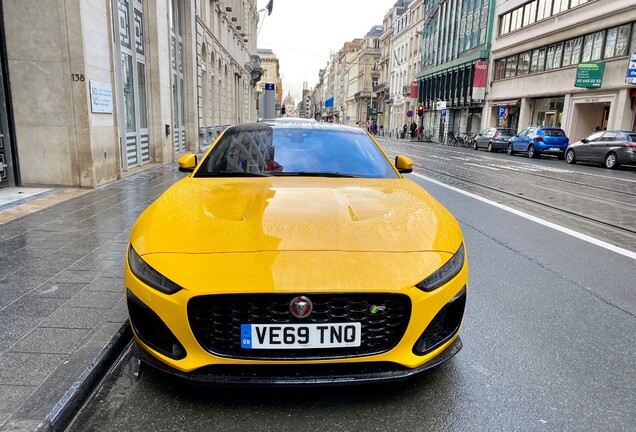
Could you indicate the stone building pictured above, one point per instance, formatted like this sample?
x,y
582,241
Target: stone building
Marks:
x,y
94,90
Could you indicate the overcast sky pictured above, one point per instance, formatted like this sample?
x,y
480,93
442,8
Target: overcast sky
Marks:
x,y
302,33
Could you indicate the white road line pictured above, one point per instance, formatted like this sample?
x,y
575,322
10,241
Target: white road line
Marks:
x,y
535,219
483,166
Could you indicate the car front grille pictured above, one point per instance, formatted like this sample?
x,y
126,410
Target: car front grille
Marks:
x,y
216,322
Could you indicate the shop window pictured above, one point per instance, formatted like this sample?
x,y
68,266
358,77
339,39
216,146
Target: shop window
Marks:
x,y
523,66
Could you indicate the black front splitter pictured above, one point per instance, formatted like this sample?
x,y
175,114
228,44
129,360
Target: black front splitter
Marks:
x,y
284,375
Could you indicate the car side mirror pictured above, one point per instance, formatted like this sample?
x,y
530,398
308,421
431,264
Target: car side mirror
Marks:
x,y
585,141
404,164
187,163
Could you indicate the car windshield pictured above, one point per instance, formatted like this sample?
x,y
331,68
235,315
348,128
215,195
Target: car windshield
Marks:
x,y
552,132
506,132
294,150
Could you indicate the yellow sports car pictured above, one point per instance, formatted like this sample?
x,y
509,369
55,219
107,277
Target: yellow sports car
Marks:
x,y
295,253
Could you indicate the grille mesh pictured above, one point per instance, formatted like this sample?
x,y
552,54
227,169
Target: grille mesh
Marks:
x,y
216,322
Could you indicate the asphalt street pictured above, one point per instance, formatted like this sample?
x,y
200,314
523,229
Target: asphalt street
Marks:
x,y
549,336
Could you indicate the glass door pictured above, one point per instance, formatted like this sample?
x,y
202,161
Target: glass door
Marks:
x,y
131,83
176,44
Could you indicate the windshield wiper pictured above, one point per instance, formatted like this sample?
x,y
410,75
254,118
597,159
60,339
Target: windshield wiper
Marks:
x,y
231,174
315,174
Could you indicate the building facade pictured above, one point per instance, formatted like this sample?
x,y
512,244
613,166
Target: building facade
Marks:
x,y
544,53
454,63
97,89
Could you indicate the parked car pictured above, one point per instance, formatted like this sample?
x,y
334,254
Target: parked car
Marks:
x,y
295,253
610,148
538,140
493,139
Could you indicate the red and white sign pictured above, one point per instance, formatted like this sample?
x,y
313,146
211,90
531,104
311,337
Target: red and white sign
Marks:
x,y
480,77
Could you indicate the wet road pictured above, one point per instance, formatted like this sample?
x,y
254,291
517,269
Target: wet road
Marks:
x,y
549,336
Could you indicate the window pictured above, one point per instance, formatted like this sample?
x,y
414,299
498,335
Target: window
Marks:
x,y
611,136
529,13
633,42
516,19
560,6
504,24
587,48
572,51
621,41
538,60
594,137
523,66
511,66
544,9
597,45
500,68
610,42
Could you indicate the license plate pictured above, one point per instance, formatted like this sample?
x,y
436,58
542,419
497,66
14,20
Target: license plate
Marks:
x,y
555,149
300,336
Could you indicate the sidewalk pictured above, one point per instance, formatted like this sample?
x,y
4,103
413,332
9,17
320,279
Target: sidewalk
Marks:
x,y
62,309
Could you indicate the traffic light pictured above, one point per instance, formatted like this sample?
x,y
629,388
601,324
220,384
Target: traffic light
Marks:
x,y
283,109
420,110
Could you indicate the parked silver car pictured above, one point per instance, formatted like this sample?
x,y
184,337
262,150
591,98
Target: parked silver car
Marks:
x,y
610,148
493,138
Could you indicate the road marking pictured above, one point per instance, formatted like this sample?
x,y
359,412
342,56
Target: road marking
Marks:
x,y
535,219
483,166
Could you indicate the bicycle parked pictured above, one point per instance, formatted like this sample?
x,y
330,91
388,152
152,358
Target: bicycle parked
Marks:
x,y
467,139
451,140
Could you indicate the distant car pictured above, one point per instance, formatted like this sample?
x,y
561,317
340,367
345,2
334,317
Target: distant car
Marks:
x,y
493,138
538,140
610,148
295,253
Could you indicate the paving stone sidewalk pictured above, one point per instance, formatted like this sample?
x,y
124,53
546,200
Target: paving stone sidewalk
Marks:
x,y
61,294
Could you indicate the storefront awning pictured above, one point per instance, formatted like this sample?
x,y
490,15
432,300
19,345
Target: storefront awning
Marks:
x,y
503,103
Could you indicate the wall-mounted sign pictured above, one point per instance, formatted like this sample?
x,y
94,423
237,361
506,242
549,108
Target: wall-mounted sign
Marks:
x,y
409,113
631,69
502,112
101,97
270,86
589,75
444,113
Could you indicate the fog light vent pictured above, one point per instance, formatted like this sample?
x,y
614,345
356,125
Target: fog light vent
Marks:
x,y
152,330
443,326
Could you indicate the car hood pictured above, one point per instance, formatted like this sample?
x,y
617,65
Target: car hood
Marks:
x,y
238,215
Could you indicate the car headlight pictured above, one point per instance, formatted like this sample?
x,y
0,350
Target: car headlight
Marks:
x,y
150,276
445,273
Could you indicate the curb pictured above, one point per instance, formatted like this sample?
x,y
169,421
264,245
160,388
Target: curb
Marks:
x,y
65,410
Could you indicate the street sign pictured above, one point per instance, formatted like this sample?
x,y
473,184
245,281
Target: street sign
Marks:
x,y
409,113
502,112
270,86
443,113
631,70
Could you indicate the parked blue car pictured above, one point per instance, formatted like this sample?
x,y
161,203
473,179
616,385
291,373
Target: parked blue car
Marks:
x,y
538,140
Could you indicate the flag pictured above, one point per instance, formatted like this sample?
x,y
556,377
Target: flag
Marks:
x,y
269,7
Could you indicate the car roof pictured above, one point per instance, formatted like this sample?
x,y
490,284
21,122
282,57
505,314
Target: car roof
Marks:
x,y
289,120
290,125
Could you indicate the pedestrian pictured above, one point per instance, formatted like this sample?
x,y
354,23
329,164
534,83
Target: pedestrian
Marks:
x,y
404,131
597,129
413,129
381,130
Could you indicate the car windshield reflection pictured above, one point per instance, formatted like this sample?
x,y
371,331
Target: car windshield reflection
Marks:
x,y
263,150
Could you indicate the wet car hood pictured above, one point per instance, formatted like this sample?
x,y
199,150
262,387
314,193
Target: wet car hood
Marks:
x,y
238,215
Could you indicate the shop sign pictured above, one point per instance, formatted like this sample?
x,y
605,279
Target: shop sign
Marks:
x,y
589,75
372,111
101,97
631,69
479,80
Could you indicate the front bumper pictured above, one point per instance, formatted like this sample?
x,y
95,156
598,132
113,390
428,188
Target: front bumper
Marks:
x,y
323,374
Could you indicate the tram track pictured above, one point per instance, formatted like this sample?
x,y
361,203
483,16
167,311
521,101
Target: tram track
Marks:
x,y
533,201
604,201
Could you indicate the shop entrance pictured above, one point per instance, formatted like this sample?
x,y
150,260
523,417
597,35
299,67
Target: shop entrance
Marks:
x,y
586,117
